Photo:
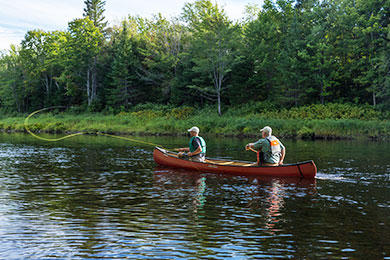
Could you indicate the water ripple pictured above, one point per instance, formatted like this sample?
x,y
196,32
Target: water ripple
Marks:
x,y
87,200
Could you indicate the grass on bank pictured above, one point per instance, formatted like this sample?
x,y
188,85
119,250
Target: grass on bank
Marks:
x,y
315,121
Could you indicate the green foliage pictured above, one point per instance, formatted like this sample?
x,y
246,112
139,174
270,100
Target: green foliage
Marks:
x,y
151,106
94,9
282,61
82,47
306,133
12,87
182,112
253,108
162,45
146,114
214,48
123,91
171,120
328,111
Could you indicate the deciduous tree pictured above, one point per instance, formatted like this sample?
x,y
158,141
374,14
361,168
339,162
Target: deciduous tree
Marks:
x,y
83,44
213,48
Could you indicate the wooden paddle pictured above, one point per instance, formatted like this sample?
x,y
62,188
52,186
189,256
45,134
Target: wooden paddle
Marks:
x,y
250,148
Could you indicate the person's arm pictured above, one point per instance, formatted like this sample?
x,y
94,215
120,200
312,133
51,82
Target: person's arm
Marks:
x,y
197,151
282,156
248,146
255,146
184,149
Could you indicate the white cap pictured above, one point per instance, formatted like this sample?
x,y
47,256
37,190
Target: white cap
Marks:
x,y
267,130
194,129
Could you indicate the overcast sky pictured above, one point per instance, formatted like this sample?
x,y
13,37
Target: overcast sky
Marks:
x,y
19,16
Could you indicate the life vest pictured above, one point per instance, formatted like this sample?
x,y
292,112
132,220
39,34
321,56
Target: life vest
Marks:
x,y
202,143
275,148
274,144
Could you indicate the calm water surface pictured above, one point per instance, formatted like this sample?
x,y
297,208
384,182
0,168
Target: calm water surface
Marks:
x,y
101,198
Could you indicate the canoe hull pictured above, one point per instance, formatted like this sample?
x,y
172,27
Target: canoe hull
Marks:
x,y
305,169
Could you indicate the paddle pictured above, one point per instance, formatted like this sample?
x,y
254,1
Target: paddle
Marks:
x,y
250,148
253,150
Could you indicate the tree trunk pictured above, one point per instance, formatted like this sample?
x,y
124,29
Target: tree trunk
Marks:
x,y
88,87
91,82
16,97
94,81
218,86
46,83
219,103
373,99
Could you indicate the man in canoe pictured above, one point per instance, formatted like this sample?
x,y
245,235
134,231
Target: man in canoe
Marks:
x,y
270,151
197,147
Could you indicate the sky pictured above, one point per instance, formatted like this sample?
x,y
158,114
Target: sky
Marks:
x,y
19,16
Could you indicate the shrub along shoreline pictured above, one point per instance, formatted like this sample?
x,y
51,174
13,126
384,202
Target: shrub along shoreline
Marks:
x,y
334,121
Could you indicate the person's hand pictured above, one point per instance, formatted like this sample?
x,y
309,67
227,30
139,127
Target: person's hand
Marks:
x,y
281,162
247,147
189,154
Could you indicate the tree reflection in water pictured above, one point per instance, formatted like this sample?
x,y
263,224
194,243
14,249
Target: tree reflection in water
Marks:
x,y
190,185
209,192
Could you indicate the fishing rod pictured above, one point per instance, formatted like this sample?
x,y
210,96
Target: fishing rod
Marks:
x,y
26,126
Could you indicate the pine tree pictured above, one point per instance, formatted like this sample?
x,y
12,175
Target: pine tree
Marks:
x,y
95,11
123,92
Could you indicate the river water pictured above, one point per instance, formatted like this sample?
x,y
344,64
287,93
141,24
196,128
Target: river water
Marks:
x,y
93,197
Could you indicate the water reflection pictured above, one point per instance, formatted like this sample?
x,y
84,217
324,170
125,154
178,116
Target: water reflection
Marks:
x,y
264,196
100,198
191,185
275,202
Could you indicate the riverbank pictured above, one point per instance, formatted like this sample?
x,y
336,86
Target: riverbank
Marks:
x,y
314,122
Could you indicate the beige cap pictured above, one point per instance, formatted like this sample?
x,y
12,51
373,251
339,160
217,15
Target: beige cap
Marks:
x,y
267,129
194,129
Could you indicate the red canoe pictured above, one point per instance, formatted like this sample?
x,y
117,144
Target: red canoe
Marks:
x,y
305,169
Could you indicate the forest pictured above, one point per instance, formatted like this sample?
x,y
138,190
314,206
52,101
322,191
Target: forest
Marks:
x,y
284,54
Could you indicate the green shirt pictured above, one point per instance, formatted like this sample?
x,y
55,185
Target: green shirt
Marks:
x,y
265,147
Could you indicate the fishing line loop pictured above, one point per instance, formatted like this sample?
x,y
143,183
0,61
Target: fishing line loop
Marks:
x,y
26,126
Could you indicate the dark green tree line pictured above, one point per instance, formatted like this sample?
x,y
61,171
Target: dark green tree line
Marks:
x,y
287,53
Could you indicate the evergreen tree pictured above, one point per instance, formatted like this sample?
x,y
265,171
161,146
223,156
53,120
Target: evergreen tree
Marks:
x,y
262,38
372,43
291,52
316,51
94,9
124,90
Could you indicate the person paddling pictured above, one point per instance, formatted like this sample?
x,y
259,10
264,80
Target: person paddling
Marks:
x,y
197,147
270,151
